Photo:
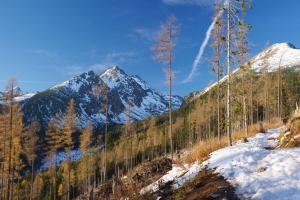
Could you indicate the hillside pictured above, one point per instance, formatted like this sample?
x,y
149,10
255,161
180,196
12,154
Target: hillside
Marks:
x,y
255,169
277,55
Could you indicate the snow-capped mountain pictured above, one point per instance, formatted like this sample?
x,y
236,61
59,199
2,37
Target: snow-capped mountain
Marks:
x,y
280,54
145,101
19,95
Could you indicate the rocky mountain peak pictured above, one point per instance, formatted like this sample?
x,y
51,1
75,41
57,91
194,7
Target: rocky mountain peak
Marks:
x,y
113,74
145,101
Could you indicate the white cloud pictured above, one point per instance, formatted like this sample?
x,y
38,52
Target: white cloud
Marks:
x,y
73,70
120,54
100,67
145,33
45,53
189,2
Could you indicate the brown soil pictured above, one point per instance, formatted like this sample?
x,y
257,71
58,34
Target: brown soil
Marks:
x,y
212,186
206,185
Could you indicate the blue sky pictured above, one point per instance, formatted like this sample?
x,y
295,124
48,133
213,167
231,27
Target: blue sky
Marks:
x,y
44,43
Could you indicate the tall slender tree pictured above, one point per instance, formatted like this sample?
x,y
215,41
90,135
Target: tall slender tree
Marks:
x,y
102,90
218,44
30,148
13,128
69,123
85,145
164,49
54,141
233,8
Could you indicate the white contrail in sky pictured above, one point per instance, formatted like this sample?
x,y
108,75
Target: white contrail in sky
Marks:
x,y
204,43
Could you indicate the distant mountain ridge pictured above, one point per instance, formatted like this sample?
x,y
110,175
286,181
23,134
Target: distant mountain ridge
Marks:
x,y
279,54
146,102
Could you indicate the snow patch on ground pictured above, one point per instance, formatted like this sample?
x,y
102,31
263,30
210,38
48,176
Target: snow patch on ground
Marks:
x,y
252,168
176,172
258,173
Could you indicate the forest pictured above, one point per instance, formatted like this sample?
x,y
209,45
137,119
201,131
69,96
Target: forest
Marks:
x,y
129,145
238,100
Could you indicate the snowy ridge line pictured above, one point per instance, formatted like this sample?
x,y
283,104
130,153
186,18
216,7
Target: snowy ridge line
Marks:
x,y
283,54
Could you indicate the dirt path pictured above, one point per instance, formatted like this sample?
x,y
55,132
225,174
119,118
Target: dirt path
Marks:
x,y
206,185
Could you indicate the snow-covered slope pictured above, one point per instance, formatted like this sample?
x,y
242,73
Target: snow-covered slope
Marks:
x,y
24,96
145,102
280,54
259,173
252,168
19,95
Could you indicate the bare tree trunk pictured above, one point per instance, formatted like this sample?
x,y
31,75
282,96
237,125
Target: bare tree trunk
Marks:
x,y
251,100
31,188
245,116
219,131
229,73
170,110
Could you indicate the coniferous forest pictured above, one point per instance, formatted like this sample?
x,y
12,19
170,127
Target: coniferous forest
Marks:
x,y
127,146
31,154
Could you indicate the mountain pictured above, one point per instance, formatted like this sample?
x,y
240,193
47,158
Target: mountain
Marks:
x,y
280,54
145,101
19,95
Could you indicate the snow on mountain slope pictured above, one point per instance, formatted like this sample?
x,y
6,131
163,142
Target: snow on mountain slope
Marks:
x,y
24,97
280,54
145,102
45,105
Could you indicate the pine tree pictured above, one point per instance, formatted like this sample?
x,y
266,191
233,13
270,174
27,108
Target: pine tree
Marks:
x,y
69,123
30,147
13,131
102,90
85,146
166,40
233,25
55,140
218,40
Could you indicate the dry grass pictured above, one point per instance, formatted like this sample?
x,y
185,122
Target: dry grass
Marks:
x,y
291,138
178,162
254,129
202,150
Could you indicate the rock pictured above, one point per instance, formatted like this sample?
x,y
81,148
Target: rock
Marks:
x,y
215,195
224,187
244,140
261,169
260,128
296,136
285,120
